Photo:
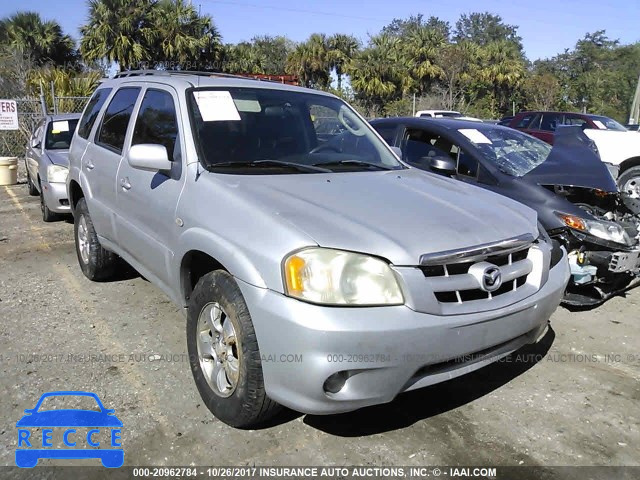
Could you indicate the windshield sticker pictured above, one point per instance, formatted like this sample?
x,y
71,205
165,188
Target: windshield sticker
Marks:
x,y
247,105
216,106
599,124
61,126
476,136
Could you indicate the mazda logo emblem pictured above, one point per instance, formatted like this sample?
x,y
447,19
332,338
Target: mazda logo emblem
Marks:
x,y
491,279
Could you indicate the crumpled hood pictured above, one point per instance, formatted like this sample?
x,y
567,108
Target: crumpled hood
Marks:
x,y
572,162
397,215
58,157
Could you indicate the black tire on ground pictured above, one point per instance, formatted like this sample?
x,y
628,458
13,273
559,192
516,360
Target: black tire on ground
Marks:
x,y
248,406
630,176
100,263
47,215
33,191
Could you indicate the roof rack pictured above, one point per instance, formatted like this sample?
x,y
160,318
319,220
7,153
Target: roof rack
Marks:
x,y
140,73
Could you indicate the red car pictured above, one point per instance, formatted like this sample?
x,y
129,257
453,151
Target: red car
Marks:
x,y
543,124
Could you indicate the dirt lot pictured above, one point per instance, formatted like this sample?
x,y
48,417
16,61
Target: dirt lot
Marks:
x,y
560,402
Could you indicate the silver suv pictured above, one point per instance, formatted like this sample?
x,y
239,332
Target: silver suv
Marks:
x,y
317,270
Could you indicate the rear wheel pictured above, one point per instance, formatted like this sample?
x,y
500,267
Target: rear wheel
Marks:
x,y
33,191
47,215
95,262
224,354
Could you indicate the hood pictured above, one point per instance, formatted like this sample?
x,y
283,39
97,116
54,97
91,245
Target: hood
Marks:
x,y
573,162
397,215
58,157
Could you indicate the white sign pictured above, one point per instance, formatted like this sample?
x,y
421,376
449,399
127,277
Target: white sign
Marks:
x,y
216,106
476,136
61,126
8,115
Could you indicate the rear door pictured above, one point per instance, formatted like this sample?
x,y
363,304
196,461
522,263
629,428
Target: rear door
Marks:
x,y
147,201
102,159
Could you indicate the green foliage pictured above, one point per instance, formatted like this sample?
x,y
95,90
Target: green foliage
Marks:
x,y
263,55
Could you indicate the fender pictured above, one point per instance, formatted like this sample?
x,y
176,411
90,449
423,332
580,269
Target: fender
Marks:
x,y
225,252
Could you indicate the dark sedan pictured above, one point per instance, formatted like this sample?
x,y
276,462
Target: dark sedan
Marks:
x,y
576,198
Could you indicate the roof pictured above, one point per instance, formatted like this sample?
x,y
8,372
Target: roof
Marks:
x,y
189,79
446,123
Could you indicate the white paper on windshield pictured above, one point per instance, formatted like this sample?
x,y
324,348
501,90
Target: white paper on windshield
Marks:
x,y
60,126
216,106
599,124
476,136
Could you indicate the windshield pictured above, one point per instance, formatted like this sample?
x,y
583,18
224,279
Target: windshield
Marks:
x,y
513,152
59,134
606,123
270,131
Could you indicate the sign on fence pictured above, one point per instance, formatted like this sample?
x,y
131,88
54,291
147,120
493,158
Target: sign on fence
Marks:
x,y
8,115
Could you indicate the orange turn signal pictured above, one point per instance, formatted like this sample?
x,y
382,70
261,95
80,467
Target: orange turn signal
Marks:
x,y
293,274
574,222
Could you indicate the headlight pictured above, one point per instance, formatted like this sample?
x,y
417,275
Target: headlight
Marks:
x,y
57,173
335,277
598,228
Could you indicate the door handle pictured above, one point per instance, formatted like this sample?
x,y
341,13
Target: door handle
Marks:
x,y
89,165
125,184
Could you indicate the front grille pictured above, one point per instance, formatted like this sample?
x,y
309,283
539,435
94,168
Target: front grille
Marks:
x,y
452,282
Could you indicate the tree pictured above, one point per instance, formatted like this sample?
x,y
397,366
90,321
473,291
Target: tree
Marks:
x,y
542,91
485,28
342,49
402,27
310,62
120,31
43,41
459,63
183,39
418,53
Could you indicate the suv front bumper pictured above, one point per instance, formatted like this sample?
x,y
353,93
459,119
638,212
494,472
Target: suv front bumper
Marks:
x,y
383,350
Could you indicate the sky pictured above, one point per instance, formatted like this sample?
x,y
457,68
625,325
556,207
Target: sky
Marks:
x,y
547,27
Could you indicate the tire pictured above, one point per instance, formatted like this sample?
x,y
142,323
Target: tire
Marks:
x,y
629,181
96,263
47,215
33,191
218,310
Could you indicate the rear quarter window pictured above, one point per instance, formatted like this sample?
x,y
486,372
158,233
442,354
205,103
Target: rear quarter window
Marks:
x,y
91,112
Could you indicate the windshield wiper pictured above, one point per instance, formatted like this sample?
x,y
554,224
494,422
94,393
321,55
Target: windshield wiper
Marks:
x,y
358,163
275,163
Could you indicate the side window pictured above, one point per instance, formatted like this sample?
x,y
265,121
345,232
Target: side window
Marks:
x,y
466,164
113,128
421,146
573,120
387,132
91,112
550,121
525,121
157,122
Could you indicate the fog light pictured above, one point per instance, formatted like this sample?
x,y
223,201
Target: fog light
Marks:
x,y
335,382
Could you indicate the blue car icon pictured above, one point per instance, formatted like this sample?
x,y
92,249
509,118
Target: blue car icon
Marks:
x,y
29,449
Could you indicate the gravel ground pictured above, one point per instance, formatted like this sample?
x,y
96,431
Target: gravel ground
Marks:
x,y
571,399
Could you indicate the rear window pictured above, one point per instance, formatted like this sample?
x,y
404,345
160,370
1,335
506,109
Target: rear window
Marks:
x,y
113,129
91,112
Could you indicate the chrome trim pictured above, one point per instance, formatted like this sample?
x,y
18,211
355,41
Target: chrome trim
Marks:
x,y
478,252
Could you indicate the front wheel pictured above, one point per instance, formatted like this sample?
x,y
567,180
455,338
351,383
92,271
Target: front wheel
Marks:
x,y
224,354
95,262
33,191
47,215
629,182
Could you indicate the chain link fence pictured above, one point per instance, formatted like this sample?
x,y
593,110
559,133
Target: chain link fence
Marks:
x,y
13,143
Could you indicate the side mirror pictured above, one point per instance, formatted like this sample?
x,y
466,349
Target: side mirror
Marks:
x,y
397,151
150,157
443,165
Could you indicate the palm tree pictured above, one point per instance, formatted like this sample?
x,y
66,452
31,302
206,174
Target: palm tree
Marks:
x,y
310,62
419,52
43,41
503,70
342,49
120,31
183,38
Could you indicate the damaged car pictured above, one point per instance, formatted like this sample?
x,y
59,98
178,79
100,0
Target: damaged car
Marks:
x,y
572,190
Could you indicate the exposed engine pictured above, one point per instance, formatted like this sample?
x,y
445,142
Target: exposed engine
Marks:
x,y
603,246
